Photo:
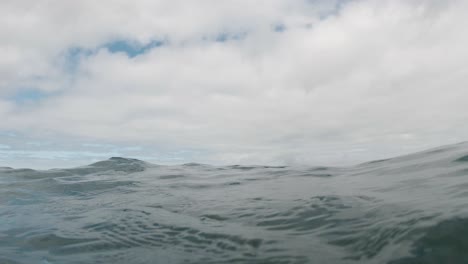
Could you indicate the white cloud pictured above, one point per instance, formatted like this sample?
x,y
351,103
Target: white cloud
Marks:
x,y
365,81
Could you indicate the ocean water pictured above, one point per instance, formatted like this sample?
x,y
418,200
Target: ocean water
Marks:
x,y
410,209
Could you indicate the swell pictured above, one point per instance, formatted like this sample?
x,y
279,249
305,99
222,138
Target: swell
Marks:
x,y
409,209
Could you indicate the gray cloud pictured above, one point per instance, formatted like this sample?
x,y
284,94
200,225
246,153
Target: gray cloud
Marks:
x,y
339,83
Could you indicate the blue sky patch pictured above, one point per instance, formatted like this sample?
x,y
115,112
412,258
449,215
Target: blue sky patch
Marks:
x,y
132,49
225,36
28,96
73,57
280,27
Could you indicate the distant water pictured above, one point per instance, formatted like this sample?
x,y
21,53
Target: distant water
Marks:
x,y
407,210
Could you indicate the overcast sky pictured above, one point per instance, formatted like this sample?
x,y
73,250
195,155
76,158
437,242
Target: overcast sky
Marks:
x,y
228,82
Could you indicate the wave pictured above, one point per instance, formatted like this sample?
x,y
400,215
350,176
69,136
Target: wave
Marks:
x,y
408,209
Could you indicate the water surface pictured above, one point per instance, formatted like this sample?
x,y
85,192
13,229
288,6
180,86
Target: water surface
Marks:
x,y
410,209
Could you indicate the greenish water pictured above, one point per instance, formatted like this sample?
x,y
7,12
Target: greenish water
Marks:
x,y
411,209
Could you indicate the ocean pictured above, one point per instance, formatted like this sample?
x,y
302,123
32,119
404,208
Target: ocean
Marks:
x,y
411,209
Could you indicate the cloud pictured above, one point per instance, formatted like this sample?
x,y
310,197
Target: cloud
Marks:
x,y
273,82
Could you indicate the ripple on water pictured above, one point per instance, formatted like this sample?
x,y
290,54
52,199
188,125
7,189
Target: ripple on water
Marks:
x,y
403,210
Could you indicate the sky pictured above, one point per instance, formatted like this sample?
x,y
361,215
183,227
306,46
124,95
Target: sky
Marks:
x,y
274,82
